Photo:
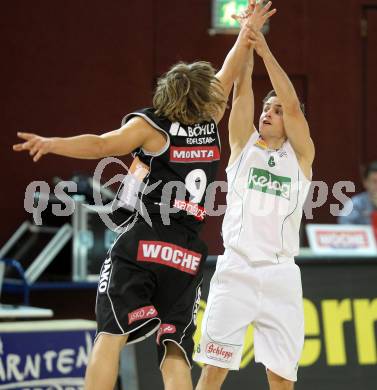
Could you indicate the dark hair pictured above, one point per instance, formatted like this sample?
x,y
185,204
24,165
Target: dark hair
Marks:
x,y
370,168
272,93
189,93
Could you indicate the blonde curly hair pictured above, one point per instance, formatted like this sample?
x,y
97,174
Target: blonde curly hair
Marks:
x,y
189,93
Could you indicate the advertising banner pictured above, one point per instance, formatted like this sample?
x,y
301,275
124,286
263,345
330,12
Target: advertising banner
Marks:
x,y
341,240
44,359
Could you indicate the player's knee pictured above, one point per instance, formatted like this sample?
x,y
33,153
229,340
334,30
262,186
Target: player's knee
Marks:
x,y
212,375
110,342
277,382
174,360
173,351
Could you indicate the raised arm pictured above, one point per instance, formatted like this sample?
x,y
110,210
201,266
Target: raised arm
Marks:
x,y
295,124
235,60
135,133
241,119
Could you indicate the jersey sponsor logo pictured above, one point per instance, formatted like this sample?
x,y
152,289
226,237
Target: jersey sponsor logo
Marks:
x,y
218,352
194,209
141,314
200,141
265,181
170,255
176,129
194,154
165,329
192,131
201,130
104,276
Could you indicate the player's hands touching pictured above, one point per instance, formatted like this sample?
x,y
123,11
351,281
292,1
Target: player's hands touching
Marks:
x,y
36,145
255,15
259,43
242,17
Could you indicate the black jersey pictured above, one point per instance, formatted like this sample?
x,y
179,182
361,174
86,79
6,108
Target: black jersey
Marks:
x,y
175,179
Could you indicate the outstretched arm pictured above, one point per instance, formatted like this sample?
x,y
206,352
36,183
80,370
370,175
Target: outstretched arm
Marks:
x,y
241,119
234,61
296,126
135,133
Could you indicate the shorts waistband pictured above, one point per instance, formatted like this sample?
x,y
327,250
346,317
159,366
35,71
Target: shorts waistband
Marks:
x,y
258,262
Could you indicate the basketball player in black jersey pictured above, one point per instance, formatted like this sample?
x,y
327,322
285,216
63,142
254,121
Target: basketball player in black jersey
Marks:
x,y
150,280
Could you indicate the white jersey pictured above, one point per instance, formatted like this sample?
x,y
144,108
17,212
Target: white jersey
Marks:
x,y
266,193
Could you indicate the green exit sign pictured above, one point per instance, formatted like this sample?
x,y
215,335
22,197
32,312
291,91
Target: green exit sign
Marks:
x,y
222,11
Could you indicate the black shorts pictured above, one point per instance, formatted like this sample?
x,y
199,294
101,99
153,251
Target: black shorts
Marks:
x,y
150,282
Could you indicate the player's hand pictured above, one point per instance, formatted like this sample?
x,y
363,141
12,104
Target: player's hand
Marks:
x,y
259,43
255,15
242,17
36,145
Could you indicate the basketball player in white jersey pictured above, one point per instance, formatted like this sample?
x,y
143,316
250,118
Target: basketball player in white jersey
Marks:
x,y
256,280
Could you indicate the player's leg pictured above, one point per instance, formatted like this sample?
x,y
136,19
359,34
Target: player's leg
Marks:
x,y
102,370
177,300
211,378
279,327
175,337
176,373
277,382
231,307
124,309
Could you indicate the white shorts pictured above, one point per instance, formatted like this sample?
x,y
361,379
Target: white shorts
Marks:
x,y
267,295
